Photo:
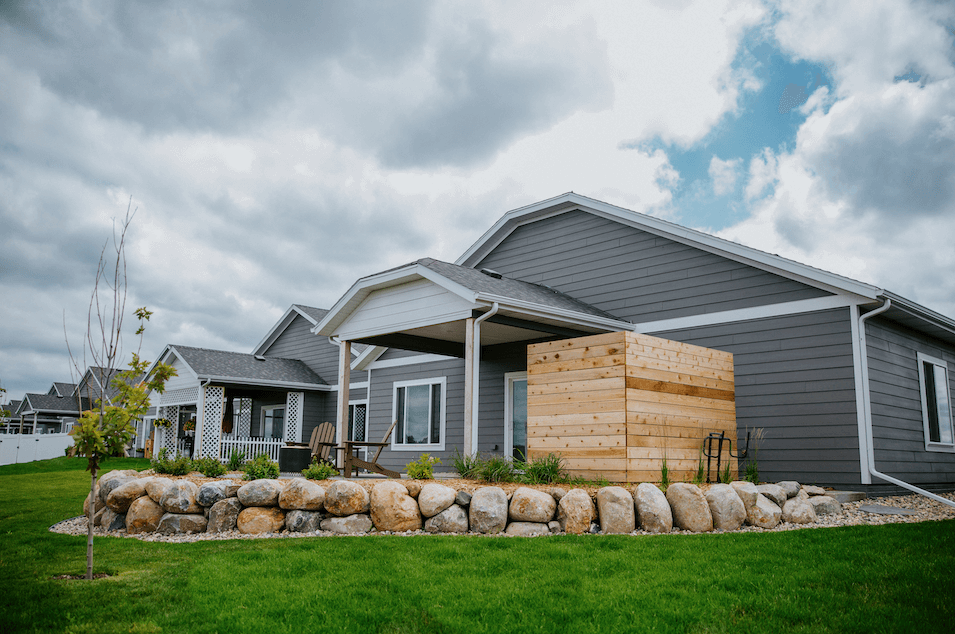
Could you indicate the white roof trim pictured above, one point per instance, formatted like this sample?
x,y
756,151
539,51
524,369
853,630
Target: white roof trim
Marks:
x,y
367,357
282,384
280,327
740,253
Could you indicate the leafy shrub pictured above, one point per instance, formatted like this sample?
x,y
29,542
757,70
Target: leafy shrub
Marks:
x,y
422,468
236,460
544,470
260,467
498,469
319,470
180,465
209,467
467,466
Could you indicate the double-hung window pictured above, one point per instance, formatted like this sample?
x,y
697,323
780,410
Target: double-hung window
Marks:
x,y
936,404
419,409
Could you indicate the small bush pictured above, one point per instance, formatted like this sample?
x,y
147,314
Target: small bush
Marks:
x,y
498,469
260,467
422,468
236,460
467,466
544,470
664,475
180,465
319,470
209,467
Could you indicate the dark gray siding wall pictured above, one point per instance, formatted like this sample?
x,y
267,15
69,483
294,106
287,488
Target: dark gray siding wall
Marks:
x,y
491,405
795,380
330,413
396,353
312,417
264,400
296,342
633,274
897,428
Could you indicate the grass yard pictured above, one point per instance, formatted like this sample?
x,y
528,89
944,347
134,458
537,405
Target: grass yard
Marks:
x,y
895,578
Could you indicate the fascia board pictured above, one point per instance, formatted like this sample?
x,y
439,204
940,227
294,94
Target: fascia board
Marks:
x,y
211,378
921,312
367,357
172,350
558,314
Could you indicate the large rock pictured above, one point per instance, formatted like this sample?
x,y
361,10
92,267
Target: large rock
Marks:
x,y
298,521
616,510
98,516
414,487
690,510
143,516
453,519
529,505
747,492
212,492
112,521
304,495
653,510
157,487
224,515
488,510
463,498
180,497
726,507
255,520
263,492
825,505
97,506
774,492
357,523
172,523
122,496
791,487
344,498
764,513
798,511
575,512
434,498
392,509
112,481
557,492
813,490
526,529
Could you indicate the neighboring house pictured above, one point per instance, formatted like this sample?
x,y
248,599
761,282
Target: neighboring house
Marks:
x,y
8,420
47,413
846,379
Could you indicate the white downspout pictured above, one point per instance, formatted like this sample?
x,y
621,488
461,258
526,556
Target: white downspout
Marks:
x,y
867,412
476,374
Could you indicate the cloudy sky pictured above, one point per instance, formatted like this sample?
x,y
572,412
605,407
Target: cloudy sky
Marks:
x,y
275,152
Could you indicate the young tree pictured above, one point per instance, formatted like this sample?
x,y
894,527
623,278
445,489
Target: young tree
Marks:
x,y
107,427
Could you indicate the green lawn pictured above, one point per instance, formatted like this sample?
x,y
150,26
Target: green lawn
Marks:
x,y
892,578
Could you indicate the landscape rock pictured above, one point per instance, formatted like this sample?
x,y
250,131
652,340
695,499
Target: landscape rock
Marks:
x,y
798,511
814,490
108,484
143,516
453,519
299,521
122,496
392,509
211,492
304,495
557,493
414,488
99,505
526,529
180,497
554,527
726,507
463,498
224,515
263,492
488,510
825,505
615,508
172,523
764,513
344,498
575,512
774,492
156,488
434,498
653,510
690,510
352,524
746,491
112,521
254,520
98,516
530,505
790,487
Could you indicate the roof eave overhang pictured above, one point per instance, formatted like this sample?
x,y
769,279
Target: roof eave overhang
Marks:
x,y
923,314
206,379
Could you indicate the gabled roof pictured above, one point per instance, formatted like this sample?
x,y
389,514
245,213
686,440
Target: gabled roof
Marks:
x,y
245,369
49,404
12,406
62,389
95,380
313,315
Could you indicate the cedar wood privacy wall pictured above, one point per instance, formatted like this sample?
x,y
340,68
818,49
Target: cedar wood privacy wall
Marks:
x,y
615,405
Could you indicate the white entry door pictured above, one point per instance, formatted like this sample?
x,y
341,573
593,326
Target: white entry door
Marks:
x,y
515,415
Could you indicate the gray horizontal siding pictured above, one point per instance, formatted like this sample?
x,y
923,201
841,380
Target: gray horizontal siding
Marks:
x,y
634,274
298,342
897,428
794,379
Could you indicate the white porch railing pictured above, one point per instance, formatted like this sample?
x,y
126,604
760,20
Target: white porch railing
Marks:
x,y
251,446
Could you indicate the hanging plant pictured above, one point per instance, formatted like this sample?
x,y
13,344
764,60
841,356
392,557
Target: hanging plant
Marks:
x,y
190,425
162,423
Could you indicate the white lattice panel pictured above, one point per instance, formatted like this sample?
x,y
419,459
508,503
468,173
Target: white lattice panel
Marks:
x,y
184,396
243,425
209,425
169,434
294,408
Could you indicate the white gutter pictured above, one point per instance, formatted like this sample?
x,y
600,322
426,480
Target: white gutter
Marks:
x,y
867,412
476,375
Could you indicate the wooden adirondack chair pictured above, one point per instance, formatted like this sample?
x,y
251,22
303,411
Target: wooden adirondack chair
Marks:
x,y
322,441
351,461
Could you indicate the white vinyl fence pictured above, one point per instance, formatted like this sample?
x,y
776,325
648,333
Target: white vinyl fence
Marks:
x,y
251,445
16,448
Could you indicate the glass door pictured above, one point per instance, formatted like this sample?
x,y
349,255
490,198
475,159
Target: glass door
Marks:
x,y
515,415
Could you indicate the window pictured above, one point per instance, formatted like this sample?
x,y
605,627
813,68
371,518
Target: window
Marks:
x,y
936,404
419,410
273,419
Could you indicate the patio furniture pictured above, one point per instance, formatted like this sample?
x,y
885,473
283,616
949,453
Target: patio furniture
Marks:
x,y
293,459
321,443
351,461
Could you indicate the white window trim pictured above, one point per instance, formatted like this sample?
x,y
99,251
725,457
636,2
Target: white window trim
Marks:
x,y
509,378
929,445
439,446
269,408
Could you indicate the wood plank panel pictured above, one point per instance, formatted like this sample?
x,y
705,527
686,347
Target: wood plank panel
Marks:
x,y
558,370
569,442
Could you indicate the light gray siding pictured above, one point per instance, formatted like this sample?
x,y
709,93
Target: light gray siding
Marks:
x,y
794,379
897,428
491,407
634,274
297,342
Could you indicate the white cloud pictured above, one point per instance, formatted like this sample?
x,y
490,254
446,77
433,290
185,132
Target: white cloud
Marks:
x,y
724,174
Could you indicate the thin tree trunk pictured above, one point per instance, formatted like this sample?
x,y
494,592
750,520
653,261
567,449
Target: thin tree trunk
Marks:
x,y
89,525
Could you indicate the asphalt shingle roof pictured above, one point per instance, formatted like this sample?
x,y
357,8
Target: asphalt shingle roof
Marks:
x,y
64,389
317,314
51,403
239,365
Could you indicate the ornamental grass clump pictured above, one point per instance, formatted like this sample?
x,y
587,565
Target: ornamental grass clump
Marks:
x,y
260,467
467,466
544,470
498,469
236,460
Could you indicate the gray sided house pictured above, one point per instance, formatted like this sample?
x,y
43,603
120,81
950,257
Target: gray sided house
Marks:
x,y
851,383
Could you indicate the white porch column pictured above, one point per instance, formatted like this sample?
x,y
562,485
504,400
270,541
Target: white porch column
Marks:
x,y
294,408
209,422
469,450
344,378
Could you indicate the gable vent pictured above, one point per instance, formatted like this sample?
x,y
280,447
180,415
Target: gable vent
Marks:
x,y
491,273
